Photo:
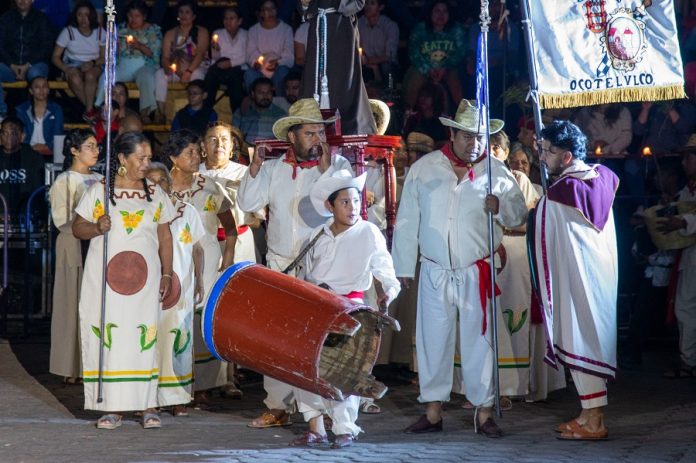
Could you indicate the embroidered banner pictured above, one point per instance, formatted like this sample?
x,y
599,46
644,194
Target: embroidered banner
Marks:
x,y
590,52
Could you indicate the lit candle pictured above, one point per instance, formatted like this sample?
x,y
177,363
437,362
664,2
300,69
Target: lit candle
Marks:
x,y
260,60
129,39
173,68
598,151
216,38
647,151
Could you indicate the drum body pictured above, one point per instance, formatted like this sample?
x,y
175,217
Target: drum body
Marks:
x,y
293,331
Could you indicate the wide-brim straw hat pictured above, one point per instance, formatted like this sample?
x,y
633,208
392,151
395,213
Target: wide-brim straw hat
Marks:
x,y
419,142
467,119
304,111
690,146
381,114
672,240
326,186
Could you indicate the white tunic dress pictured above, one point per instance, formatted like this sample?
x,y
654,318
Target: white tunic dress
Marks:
x,y
176,323
64,195
131,367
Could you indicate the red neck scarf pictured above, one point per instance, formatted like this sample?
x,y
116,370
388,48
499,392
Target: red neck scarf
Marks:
x,y
449,154
292,160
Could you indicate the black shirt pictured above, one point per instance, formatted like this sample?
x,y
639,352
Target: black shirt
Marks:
x,y
21,173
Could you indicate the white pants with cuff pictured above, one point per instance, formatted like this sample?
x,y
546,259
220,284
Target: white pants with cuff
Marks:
x,y
445,298
343,413
591,389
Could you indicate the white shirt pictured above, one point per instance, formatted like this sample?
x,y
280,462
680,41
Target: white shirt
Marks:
x,y
382,39
276,43
229,178
348,261
37,136
617,136
233,49
374,182
291,214
688,258
79,47
448,219
302,33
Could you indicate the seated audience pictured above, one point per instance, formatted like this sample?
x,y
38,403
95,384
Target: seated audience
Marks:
x,y
228,49
256,122
79,53
196,115
184,49
607,126
270,47
138,56
379,40
26,41
436,49
42,118
430,105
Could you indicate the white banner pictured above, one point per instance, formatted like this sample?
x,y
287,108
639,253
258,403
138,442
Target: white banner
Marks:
x,y
590,52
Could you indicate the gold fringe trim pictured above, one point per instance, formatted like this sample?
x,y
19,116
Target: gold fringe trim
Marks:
x,y
614,95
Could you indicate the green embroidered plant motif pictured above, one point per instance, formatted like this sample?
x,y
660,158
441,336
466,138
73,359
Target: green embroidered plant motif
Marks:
x,y
178,350
108,328
158,213
148,337
131,221
515,319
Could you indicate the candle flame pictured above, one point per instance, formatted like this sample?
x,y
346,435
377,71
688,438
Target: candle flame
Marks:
x,y
215,37
647,151
260,60
173,67
130,39
598,151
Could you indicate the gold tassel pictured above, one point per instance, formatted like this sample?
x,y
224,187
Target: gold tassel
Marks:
x,y
616,95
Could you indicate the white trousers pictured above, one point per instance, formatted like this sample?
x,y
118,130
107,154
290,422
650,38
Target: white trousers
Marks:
x,y
685,311
447,298
591,389
343,413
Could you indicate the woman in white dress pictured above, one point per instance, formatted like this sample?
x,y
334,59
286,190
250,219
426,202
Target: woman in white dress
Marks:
x,y
81,152
175,345
182,155
139,276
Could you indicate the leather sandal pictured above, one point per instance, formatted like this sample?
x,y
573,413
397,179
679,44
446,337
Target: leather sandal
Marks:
x,y
151,421
489,429
179,410
109,421
269,420
310,439
370,408
423,425
231,391
578,432
565,427
343,440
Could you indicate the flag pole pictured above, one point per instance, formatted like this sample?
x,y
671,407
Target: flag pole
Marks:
x,y
110,77
482,91
533,84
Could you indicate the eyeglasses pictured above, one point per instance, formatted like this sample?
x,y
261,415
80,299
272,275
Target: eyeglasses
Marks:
x,y
92,147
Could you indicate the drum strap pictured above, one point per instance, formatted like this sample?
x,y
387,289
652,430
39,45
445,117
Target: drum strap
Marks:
x,y
303,253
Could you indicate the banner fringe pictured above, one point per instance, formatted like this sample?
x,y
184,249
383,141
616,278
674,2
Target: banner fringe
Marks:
x,y
615,95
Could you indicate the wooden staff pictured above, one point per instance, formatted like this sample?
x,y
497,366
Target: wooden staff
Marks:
x,y
110,78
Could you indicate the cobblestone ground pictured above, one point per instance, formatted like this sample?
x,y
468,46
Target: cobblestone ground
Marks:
x,y
650,419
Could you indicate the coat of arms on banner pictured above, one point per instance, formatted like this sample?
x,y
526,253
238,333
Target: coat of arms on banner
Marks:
x,y
605,51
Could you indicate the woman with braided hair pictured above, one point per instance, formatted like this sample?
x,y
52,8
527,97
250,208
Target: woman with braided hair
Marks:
x,y
81,152
138,277
182,155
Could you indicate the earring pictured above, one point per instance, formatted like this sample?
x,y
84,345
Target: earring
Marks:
x,y
121,171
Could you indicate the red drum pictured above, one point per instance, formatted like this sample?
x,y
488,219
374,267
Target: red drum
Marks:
x,y
294,331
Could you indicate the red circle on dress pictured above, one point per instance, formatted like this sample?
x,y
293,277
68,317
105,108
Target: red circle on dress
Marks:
x,y
126,273
174,293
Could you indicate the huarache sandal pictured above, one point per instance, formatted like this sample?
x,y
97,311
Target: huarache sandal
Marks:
x,y
179,410
310,439
343,440
578,432
269,420
151,420
231,391
505,404
369,407
109,421
566,427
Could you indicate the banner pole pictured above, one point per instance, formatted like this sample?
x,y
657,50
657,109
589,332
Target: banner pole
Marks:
x,y
533,84
482,80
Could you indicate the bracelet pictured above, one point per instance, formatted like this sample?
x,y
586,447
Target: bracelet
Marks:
x,y
166,275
